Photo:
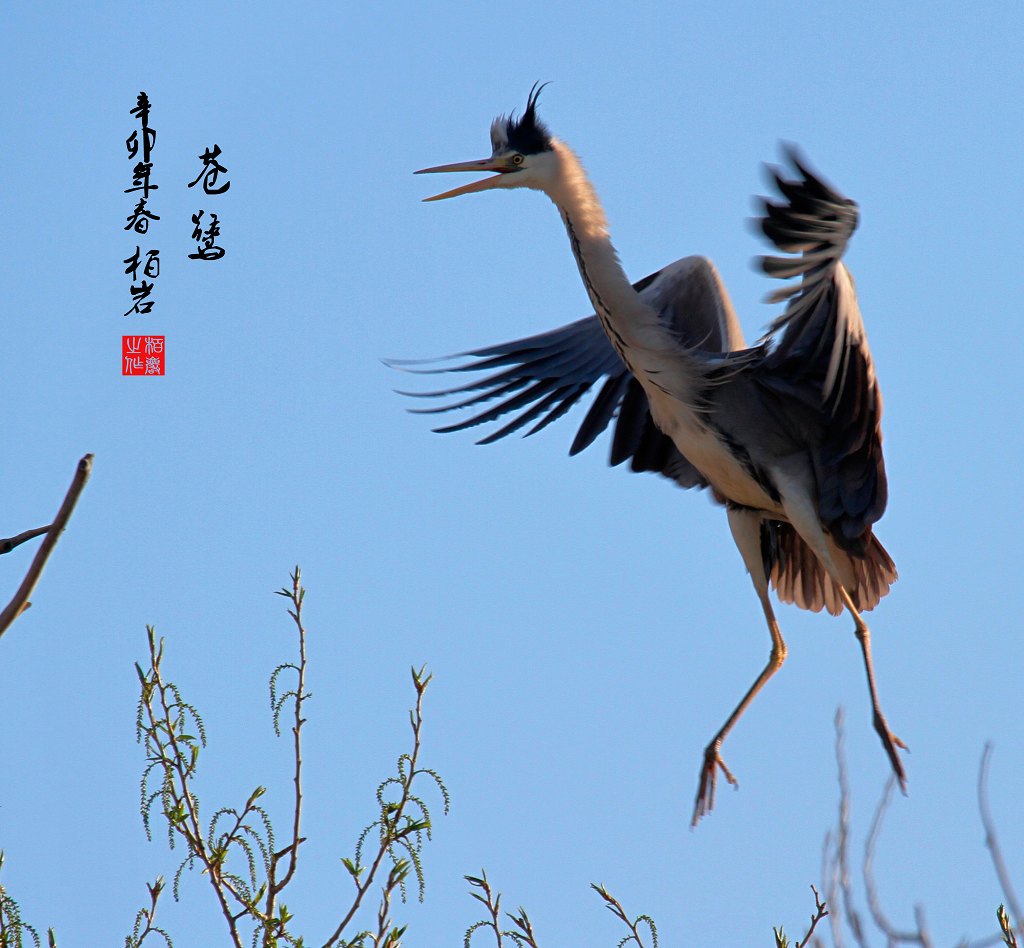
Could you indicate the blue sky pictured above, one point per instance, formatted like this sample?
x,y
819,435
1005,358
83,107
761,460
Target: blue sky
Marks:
x,y
588,628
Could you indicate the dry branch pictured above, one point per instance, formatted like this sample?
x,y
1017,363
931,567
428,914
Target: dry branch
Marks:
x,y
20,601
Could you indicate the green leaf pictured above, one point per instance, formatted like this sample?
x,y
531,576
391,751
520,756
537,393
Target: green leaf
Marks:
x,y
354,871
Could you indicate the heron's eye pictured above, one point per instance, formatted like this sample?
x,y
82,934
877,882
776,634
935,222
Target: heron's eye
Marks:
x,y
517,159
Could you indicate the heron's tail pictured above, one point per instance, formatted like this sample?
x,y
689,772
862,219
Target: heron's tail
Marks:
x,y
798,576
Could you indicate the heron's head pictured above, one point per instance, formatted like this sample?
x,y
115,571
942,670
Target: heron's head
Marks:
x,y
521,153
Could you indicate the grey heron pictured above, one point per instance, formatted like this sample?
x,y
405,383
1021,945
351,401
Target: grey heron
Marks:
x,y
786,433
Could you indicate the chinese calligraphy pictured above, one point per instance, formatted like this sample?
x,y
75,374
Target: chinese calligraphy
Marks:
x,y
144,355
211,169
140,292
141,146
206,238
207,249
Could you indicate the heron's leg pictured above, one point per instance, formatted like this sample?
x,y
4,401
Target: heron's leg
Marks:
x,y
804,519
746,531
889,740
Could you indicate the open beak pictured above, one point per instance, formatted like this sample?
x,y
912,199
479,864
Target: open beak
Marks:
x,y
502,165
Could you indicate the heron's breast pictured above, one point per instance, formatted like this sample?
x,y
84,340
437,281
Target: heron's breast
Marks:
x,y
723,465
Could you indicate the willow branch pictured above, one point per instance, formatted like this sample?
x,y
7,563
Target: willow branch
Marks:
x,y
177,768
388,835
298,593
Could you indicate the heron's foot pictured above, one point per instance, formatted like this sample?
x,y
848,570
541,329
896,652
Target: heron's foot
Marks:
x,y
890,742
713,762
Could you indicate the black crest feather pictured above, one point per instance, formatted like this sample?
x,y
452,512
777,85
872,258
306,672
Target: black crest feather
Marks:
x,y
528,135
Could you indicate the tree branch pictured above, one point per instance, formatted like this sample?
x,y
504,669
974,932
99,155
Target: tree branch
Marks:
x,y
992,839
11,542
20,601
894,936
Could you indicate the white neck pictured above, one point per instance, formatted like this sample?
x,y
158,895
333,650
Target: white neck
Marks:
x,y
629,322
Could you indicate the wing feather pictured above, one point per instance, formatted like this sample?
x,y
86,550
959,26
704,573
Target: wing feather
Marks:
x,y
540,378
821,353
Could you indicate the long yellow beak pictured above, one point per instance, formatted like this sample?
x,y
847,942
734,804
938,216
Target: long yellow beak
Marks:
x,y
501,165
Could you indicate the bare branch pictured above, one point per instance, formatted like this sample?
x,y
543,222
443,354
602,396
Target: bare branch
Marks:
x,y
829,883
820,912
992,840
20,601
11,542
921,936
842,869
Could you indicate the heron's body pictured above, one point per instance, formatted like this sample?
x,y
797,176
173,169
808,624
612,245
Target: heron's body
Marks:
x,y
786,434
707,449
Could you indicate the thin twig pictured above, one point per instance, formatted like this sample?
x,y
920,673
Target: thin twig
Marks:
x,y
820,911
843,834
987,942
390,822
11,542
493,905
992,840
1006,933
921,936
147,915
829,883
523,938
20,601
615,907
177,768
296,594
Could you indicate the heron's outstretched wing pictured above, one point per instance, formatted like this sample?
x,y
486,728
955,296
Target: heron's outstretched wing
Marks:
x,y
538,379
821,354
